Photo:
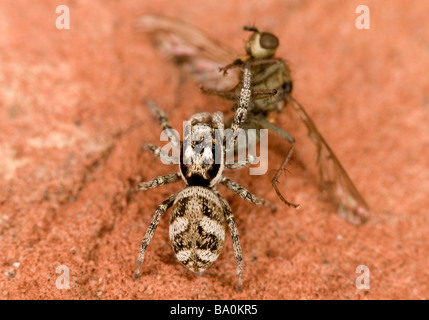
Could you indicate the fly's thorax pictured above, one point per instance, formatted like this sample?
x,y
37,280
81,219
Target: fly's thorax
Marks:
x,y
197,228
202,151
268,76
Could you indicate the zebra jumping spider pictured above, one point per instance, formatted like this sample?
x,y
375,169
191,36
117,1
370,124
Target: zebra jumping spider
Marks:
x,y
197,223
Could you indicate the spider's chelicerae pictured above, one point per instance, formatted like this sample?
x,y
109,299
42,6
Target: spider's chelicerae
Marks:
x,y
199,212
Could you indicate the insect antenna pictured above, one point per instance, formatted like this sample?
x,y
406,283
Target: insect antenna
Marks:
x,y
250,28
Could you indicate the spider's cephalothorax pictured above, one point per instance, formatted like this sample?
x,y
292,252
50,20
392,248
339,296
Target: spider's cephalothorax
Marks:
x,y
198,215
201,160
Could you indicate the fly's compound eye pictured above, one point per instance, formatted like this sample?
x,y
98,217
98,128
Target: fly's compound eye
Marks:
x,y
268,41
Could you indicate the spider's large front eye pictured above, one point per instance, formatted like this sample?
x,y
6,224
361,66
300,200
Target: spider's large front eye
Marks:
x,y
268,41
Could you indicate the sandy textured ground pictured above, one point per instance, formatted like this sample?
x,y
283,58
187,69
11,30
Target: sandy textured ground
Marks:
x,y
72,124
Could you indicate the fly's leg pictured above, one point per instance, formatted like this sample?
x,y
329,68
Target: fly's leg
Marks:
x,y
261,122
245,194
225,94
263,93
237,63
151,230
232,94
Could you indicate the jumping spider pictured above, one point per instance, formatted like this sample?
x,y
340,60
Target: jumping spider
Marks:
x,y
199,212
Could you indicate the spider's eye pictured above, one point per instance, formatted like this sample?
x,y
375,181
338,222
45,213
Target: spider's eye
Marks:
x,y
268,41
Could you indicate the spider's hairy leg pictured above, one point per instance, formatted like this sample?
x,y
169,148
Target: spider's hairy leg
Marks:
x,y
244,99
261,122
246,194
159,181
159,153
235,240
162,119
151,230
152,148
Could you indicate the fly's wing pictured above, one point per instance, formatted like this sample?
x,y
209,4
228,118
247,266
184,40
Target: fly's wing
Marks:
x,y
340,188
191,50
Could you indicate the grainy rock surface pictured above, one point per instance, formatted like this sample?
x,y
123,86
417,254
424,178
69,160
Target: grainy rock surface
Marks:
x,y
72,124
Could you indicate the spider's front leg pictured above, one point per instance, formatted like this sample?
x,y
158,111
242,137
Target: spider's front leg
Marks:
x,y
162,119
161,153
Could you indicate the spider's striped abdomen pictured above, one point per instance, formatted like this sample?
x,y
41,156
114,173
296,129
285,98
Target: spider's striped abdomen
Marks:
x,y
197,227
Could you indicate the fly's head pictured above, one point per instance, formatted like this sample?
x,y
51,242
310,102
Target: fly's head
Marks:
x,y
202,152
261,45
